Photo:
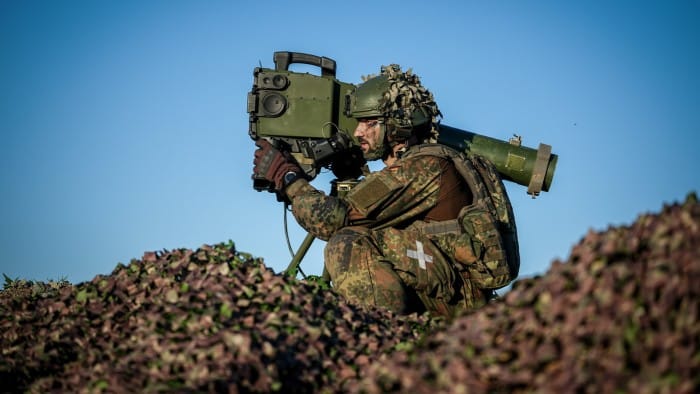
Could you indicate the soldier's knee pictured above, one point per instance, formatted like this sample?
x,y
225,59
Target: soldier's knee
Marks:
x,y
345,248
360,273
348,235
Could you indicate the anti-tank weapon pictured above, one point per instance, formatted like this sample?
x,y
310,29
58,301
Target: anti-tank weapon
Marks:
x,y
303,114
308,116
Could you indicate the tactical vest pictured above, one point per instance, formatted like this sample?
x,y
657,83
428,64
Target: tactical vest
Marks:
x,y
489,219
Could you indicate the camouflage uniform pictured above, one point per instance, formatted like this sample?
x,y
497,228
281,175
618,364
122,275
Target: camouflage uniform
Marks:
x,y
431,231
387,248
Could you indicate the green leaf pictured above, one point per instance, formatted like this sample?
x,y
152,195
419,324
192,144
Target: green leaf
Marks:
x,y
100,384
225,310
8,281
81,297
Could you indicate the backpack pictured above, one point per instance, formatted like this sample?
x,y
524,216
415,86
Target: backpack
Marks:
x,y
489,219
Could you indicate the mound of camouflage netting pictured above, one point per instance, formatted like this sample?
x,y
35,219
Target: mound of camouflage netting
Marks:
x,y
205,320
621,315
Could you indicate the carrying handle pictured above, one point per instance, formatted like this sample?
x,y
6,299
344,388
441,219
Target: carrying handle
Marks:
x,y
284,59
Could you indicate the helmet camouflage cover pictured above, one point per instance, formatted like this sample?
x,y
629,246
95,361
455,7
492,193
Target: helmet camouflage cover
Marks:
x,y
400,98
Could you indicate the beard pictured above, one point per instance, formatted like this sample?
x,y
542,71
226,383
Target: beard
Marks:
x,y
375,153
379,150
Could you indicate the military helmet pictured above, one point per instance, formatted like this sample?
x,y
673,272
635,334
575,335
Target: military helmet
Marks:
x,y
399,98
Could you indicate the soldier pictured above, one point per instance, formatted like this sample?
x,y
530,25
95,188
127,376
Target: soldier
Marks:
x,y
416,235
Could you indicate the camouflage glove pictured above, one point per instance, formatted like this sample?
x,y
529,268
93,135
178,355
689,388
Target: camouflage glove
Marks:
x,y
273,165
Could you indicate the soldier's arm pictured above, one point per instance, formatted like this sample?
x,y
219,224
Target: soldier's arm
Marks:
x,y
319,214
387,197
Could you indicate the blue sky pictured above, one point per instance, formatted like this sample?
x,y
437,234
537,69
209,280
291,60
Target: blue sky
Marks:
x,y
124,127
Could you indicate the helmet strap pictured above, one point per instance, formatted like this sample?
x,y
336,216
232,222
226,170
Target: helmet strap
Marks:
x,y
400,136
398,133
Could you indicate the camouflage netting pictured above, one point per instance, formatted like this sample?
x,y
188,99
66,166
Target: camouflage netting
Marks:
x,y
209,320
622,314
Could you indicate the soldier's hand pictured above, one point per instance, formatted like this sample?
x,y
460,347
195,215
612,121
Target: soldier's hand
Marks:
x,y
271,164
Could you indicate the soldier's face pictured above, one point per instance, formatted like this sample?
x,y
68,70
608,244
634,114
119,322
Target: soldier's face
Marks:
x,y
368,135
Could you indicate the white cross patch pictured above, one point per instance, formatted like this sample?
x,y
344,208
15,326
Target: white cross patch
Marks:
x,y
420,255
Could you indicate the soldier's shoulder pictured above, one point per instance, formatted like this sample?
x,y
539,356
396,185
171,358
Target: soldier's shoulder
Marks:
x,y
409,166
427,154
436,150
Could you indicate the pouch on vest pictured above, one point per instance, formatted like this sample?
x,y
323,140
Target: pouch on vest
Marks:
x,y
479,249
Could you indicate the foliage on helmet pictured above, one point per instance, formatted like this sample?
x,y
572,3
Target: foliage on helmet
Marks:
x,y
406,103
